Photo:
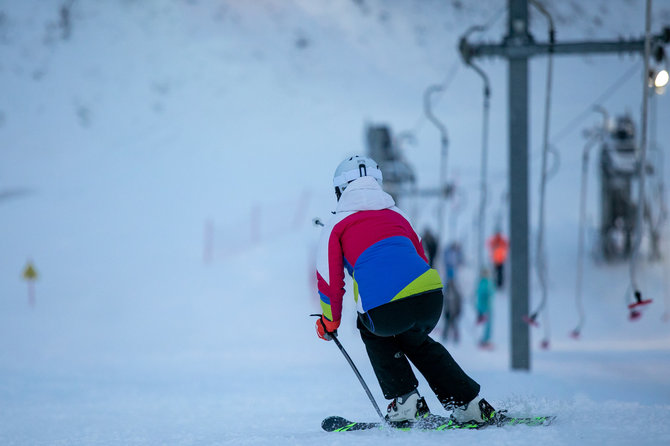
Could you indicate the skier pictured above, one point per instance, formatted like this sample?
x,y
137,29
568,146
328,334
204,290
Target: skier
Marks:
x,y
453,259
498,246
452,311
398,297
485,291
429,243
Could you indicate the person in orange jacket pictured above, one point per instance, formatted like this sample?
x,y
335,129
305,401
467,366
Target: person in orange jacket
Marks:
x,y
498,248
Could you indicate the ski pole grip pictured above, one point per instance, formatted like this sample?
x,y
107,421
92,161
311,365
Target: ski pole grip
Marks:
x,y
329,334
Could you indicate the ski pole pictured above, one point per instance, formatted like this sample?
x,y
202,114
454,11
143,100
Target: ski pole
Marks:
x,y
358,375
333,335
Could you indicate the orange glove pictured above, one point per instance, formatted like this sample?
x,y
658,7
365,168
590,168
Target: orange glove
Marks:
x,y
324,327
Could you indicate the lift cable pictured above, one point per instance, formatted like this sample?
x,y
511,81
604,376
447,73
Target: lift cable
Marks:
x,y
444,147
660,225
618,83
593,138
540,257
451,73
641,167
483,186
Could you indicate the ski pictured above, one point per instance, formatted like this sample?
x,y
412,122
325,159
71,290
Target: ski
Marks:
x,y
432,422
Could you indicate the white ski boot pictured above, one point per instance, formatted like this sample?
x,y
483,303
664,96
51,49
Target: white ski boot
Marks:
x,y
476,411
407,407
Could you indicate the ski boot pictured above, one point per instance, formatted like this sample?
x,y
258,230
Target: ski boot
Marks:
x,y
477,411
409,407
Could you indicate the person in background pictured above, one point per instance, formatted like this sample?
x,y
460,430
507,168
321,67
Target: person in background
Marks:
x,y
429,243
398,297
485,292
453,259
498,248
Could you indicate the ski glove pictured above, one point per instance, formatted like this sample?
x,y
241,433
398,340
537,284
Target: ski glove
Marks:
x,y
324,327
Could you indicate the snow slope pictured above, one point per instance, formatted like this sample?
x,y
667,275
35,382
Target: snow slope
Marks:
x,y
157,129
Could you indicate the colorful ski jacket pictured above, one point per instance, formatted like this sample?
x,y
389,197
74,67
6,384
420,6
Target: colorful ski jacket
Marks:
x,y
485,291
374,241
499,246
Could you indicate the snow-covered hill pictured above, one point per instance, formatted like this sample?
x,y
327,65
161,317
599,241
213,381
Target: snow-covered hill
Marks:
x,y
160,163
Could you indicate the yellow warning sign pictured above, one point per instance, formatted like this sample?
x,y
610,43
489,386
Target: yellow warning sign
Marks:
x,y
29,273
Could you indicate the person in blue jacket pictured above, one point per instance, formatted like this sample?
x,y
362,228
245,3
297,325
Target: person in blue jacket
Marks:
x,y
485,292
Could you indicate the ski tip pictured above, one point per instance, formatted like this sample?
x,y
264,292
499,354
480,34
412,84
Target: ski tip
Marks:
x,y
331,424
505,420
541,421
547,420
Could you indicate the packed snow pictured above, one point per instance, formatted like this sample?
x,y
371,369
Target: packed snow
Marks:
x,y
160,165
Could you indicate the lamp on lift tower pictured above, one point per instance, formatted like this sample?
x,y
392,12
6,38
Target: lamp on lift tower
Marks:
x,y
660,77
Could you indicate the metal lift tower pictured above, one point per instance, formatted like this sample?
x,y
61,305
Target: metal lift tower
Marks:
x,y
517,47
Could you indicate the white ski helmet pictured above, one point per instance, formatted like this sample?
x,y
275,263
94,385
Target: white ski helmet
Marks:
x,y
352,168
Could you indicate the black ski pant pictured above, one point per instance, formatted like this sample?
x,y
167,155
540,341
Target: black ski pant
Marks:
x,y
500,274
398,331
